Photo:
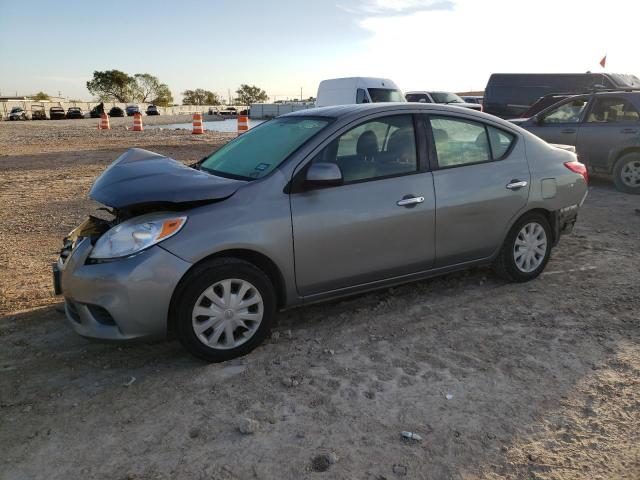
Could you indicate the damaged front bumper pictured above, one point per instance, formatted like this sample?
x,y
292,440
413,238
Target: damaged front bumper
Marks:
x,y
122,299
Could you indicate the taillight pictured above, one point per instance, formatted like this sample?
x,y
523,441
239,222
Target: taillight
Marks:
x,y
578,167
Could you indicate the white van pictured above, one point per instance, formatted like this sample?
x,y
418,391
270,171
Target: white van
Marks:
x,y
346,91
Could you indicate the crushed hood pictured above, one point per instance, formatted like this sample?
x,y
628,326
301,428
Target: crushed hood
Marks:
x,y
141,177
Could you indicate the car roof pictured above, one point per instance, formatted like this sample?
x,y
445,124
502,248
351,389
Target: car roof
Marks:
x,y
359,110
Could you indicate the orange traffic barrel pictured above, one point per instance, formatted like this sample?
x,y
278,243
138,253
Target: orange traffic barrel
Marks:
x,y
243,124
197,123
104,122
137,122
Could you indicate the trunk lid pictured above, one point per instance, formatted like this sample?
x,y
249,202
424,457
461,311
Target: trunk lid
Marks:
x,y
141,177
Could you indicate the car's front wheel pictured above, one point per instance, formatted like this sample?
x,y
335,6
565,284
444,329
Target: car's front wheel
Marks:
x,y
526,250
626,173
225,308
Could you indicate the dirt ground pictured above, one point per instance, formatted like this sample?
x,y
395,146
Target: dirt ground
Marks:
x,y
535,381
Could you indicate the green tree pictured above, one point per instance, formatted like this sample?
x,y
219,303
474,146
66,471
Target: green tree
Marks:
x,y
162,96
112,85
41,96
248,94
148,88
200,96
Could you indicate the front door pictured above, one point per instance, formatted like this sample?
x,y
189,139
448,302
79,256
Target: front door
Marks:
x,y
560,124
378,224
481,185
611,123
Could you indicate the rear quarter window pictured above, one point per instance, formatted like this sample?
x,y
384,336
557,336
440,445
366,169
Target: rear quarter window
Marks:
x,y
500,141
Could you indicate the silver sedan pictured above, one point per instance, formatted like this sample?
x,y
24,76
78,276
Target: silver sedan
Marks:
x,y
310,206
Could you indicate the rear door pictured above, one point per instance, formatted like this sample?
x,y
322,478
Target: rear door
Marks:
x,y
379,223
611,122
560,124
481,180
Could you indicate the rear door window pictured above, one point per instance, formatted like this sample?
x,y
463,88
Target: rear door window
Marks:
x,y
459,142
612,110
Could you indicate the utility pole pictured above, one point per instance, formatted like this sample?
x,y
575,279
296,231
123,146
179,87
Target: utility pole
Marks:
x,y
229,94
300,94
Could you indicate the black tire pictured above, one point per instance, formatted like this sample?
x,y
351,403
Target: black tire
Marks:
x,y
630,159
202,277
505,264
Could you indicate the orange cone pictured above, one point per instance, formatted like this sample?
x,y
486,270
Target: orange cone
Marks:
x,y
137,122
243,124
197,124
104,122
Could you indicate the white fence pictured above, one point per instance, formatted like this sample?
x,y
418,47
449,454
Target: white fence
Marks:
x,y
271,110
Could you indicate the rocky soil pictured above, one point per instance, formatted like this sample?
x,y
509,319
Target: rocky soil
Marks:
x,y
535,381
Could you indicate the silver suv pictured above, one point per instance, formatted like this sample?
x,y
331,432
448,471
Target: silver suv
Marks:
x,y
603,126
309,206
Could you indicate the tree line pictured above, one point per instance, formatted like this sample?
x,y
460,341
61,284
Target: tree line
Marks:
x,y
245,95
114,85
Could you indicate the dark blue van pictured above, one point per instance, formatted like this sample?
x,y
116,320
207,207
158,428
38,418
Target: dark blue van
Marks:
x,y
509,95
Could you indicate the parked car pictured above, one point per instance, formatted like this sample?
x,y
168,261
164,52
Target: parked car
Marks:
x,y
509,95
132,110
38,112
472,99
116,112
75,112
445,98
604,127
153,110
18,113
57,113
346,91
207,251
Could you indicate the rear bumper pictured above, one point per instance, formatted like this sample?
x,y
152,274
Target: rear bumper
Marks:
x,y
120,300
565,218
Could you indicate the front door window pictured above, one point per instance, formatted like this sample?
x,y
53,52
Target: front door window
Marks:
x,y
569,112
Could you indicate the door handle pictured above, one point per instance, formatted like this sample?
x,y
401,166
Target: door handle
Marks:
x,y
517,184
408,202
569,130
628,130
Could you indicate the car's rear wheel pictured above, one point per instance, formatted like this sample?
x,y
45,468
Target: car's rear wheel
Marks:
x,y
526,250
225,308
626,173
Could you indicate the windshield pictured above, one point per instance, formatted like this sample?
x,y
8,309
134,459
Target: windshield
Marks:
x,y
256,153
385,95
446,97
16,109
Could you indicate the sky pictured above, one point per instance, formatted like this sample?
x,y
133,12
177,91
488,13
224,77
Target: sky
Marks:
x,y
287,45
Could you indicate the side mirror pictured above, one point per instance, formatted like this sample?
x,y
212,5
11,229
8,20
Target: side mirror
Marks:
x,y
324,174
538,120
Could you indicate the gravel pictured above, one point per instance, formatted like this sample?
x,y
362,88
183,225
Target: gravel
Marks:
x,y
545,376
